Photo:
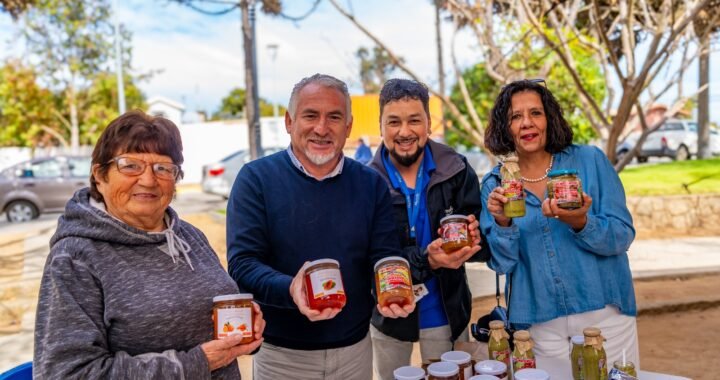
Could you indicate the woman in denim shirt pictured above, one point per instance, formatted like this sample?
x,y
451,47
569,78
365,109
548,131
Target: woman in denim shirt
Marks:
x,y
569,268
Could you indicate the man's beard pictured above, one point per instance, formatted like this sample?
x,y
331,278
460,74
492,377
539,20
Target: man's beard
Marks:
x,y
319,159
409,159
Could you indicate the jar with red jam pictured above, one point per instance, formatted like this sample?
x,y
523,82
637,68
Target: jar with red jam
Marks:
x,y
324,285
443,371
455,232
393,283
234,314
463,361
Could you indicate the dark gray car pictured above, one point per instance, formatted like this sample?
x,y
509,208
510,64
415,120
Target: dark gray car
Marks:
x,y
41,185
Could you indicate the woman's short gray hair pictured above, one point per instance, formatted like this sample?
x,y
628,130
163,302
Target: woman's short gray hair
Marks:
x,y
325,81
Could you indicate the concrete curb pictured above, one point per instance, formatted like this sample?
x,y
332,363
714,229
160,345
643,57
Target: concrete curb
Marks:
x,y
699,302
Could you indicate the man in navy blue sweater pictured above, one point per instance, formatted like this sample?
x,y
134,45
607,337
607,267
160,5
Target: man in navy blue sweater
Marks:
x,y
306,203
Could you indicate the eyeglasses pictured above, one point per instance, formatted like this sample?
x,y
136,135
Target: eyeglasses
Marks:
x,y
533,80
135,167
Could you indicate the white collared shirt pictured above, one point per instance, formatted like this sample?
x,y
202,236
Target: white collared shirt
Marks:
x,y
335,172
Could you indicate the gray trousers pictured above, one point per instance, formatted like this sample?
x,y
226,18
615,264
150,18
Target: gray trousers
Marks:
x,y
390,353
345,363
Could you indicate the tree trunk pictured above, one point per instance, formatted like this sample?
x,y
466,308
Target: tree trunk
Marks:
x,y
441,66
704,98
252,108
74,125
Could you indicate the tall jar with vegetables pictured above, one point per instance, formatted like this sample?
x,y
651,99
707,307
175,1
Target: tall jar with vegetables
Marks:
x,y
594,358
498,345
512,185
523,355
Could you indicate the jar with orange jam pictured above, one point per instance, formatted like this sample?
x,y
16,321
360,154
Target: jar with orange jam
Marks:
x,y
234,314
455,232
324,285
392,281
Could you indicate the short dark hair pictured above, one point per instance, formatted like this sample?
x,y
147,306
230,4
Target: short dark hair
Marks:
x,y
135,132
403,89
498,139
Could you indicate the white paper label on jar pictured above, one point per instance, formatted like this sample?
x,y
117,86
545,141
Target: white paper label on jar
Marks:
x,y
234,321
326,282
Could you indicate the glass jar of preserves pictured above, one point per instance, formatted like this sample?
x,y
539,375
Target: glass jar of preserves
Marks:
x,y
409,373
565,186
523,356
576,356
455,232
393,283
498,345
594,359
531,374
463,361
512,185
443,371
484,377
492,367
626,367
233,314
324,286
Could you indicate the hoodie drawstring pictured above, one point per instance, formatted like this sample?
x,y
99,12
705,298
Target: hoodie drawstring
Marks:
x,y
176,245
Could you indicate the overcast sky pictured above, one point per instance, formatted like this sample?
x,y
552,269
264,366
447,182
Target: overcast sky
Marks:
x,y
201,57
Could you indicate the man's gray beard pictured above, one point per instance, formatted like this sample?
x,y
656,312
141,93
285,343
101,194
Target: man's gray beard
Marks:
x,y
407,160
319,159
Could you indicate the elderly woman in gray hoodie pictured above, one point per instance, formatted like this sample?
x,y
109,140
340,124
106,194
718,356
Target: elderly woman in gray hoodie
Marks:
x,y
127,289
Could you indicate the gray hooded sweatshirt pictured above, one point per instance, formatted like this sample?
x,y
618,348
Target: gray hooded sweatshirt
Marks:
x,y
117,302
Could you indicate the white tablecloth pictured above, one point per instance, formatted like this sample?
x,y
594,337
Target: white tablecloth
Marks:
x,y
560,369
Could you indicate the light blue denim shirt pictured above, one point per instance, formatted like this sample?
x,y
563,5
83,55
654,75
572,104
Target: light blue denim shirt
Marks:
x,y
556,271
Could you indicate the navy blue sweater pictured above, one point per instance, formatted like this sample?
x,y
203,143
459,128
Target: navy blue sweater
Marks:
x,y
278,218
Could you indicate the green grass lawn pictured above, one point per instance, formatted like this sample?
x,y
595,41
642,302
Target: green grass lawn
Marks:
x,y
668,178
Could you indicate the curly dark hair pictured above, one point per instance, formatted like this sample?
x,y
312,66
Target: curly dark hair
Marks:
x,y
498,139
399,89
135,132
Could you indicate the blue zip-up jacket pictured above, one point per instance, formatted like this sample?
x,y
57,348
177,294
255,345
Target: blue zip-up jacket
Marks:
x,y
556,271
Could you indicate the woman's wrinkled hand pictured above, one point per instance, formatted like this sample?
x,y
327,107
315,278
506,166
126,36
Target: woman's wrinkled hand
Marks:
x,y
221,352
574,218
495,206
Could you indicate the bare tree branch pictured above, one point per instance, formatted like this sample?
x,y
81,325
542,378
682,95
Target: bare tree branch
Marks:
x,y
462,119
56,134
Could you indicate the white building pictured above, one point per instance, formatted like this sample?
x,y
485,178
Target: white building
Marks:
x,y
167,108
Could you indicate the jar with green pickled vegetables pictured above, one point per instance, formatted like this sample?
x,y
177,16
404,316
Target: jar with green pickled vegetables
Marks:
x,y
513,189
565,186
626,367
523,355
576,359
498,345
594,358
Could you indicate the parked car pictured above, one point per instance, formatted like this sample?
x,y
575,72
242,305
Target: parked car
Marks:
x,y
218,177
41,185
676,139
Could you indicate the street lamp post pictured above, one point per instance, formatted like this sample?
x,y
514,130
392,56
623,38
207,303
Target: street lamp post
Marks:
x,y
273,50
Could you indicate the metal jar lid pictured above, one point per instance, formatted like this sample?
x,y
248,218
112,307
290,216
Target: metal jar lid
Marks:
x,y
455,216
233,297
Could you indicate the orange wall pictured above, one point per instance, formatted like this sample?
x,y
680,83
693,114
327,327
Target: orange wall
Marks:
x,y
366,119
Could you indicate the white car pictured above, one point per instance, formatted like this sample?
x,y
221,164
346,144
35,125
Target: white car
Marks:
x,y
676,139
219,177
